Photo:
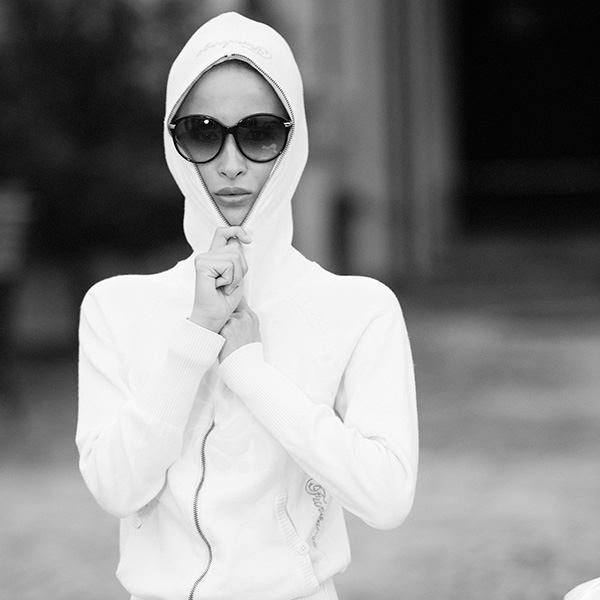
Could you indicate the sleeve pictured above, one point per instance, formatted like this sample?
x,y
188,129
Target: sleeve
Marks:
x,y
368,460
127,442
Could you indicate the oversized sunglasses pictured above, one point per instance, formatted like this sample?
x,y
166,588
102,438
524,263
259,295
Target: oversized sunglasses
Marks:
x,y
200,138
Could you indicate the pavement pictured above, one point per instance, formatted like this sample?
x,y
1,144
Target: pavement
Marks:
x,y
508,499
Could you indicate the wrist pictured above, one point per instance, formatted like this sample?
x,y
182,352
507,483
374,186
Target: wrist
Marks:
x,y
212,324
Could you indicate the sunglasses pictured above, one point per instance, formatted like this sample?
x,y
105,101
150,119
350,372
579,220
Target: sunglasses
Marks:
x,y
260,138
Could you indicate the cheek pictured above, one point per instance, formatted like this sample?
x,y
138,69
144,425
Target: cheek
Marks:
x,y
206,172
261,172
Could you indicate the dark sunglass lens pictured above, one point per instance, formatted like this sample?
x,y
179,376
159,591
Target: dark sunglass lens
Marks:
x,y
199,137
261,137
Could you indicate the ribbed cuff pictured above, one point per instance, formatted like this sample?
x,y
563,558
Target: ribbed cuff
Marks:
x,y
170,393
274,399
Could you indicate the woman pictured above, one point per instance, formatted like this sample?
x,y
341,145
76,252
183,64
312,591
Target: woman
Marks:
x,y
233,405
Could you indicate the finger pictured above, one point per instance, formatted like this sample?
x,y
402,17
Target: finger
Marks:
x,y
224,234
222,272
240,264
233,251
233,317
228,269
235,245
240,268
243,305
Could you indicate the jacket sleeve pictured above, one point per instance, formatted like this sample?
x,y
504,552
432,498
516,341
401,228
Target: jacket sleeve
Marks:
x,y
127,442
368,461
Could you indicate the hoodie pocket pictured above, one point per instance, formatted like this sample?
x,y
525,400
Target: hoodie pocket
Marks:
x,y
300,548
131,526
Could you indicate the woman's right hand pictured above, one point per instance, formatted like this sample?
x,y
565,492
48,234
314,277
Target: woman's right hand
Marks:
x,y
219,278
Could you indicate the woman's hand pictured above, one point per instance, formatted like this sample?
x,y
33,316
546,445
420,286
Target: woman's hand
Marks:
x,y
219,278
241,328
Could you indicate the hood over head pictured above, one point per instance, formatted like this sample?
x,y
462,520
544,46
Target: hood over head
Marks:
x,y
231,36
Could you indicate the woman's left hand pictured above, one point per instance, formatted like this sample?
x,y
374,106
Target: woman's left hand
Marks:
x,y
241,328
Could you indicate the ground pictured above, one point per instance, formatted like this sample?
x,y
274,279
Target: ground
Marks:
x,y
508,498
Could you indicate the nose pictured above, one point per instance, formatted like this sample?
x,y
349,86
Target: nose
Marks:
x,y
231,161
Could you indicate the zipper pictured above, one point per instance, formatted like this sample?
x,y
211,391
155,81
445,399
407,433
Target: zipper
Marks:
x,y
172,114
279,158
195,512
292,119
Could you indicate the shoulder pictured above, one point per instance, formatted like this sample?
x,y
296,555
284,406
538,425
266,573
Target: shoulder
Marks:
x,y
362,292
346,302
122,288
129,297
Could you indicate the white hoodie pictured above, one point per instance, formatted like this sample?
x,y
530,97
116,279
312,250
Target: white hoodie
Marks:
x,y
229,479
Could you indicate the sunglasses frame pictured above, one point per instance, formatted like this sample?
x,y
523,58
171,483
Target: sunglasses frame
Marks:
x,y
233,130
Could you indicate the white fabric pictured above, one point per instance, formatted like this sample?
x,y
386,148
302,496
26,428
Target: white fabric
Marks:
x,y
590,590
229,479
325,592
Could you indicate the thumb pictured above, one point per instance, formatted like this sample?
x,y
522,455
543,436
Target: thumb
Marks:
x,y
242,305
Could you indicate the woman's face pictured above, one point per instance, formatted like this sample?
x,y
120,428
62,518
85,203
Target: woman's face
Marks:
x,y
229,92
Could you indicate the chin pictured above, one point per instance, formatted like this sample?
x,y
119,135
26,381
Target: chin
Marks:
x,y
235,216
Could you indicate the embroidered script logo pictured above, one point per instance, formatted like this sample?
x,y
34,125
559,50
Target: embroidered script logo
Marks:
x,y
319,499
259,50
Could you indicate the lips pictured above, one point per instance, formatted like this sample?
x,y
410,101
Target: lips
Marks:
x,y
233,192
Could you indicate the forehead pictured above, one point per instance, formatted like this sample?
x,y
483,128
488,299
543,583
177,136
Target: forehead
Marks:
x,y
229,92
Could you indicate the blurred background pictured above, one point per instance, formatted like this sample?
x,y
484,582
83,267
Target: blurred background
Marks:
x,y
455,155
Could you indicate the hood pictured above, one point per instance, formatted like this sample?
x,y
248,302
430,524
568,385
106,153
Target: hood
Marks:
x,y
231,36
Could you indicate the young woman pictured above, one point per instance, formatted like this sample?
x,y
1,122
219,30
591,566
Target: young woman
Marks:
x,y
231,407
